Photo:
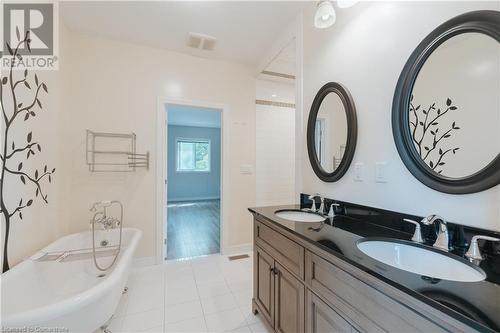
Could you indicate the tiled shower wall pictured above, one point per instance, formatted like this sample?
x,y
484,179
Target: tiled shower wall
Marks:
x,y
275,144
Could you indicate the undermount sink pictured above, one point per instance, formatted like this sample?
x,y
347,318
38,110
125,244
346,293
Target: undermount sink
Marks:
x,y
418,259
299,215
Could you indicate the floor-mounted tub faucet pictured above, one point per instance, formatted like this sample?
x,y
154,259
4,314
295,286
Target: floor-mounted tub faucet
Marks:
x,y
442,234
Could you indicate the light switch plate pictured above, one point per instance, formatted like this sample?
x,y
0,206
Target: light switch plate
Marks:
x,y
381,172
246,169
358,172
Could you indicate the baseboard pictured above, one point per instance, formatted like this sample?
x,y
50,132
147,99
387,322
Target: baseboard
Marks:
x,y
144,261
169,200
238,249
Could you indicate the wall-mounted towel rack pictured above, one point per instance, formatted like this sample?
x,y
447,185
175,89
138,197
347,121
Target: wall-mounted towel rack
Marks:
x,y
114,152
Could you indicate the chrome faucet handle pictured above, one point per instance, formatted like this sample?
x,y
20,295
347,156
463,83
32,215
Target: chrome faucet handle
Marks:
x,y
474,253
321,208
417,235
442,235
313,205
98,216
331,212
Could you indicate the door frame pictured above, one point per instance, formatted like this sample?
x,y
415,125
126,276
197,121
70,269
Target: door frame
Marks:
x,y
161,171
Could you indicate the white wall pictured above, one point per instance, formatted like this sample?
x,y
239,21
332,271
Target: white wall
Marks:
x,y
275,145
115,87
366,50
42,223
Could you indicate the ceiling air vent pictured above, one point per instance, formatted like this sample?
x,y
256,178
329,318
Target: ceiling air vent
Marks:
x,y
201,41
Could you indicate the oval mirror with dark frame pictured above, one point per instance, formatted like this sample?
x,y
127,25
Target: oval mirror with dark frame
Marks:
x,y
331,132
446,107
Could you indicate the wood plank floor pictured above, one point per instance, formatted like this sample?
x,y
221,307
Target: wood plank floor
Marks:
x,y
193,229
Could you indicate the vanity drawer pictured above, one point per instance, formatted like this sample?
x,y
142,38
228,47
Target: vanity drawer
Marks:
x,y
367,307
288,253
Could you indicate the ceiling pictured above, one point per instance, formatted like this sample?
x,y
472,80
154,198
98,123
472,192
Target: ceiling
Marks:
x,y
181,115
282,64
244,29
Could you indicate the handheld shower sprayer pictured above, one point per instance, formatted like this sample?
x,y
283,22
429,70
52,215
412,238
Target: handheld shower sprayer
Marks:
x,y
103,204
108,223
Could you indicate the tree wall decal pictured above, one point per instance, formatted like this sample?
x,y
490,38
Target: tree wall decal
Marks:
x,y
428,137
12,152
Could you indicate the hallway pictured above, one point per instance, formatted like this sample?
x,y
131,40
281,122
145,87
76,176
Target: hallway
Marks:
x,y
193,229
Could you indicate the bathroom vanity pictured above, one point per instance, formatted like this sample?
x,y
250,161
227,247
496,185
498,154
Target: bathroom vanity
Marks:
x,y
364,269
311,277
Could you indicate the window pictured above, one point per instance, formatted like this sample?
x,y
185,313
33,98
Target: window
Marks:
x,y
319,138
193,155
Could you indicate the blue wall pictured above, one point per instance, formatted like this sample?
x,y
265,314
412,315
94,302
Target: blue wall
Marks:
x,y
183,186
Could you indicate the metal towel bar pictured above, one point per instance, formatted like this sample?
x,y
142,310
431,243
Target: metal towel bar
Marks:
x,y
101,158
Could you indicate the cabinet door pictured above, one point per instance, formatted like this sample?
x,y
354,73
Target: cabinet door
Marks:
x,y
323,319
289,302
264,284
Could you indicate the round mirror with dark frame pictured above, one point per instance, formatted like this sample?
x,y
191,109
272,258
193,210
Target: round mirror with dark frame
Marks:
x,y
331,132
446,107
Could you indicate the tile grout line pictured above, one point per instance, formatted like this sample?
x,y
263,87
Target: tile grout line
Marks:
x,y
230,293
191,264
183,302
238,305
199,297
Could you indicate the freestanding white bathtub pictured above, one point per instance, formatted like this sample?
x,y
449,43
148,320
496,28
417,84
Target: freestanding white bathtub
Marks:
x,y
63,290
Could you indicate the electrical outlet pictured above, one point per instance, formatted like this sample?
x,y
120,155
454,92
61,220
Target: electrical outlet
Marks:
x,y
381,172
358,172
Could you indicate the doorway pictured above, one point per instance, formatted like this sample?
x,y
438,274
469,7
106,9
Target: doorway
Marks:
x,y
193,187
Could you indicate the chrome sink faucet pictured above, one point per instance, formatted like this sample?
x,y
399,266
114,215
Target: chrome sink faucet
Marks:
x,y
442,234
321,208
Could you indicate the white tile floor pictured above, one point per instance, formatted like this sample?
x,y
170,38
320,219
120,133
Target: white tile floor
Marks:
x,y
206,294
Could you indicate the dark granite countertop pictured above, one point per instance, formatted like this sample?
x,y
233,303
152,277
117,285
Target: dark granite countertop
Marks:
x,y
475,303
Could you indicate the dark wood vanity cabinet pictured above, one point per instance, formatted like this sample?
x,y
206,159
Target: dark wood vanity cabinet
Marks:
x,y
278,294
299,287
